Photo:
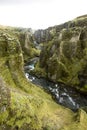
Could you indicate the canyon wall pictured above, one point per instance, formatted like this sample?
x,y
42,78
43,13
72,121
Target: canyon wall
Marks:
x,y
64,54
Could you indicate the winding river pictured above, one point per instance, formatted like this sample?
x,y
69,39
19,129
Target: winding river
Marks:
x,y
63,95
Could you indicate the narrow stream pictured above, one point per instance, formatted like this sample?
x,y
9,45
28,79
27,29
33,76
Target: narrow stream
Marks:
x,y
65,96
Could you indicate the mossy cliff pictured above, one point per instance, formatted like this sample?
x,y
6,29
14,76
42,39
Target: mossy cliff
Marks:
x,y
64,53
24,106
27,42
26,39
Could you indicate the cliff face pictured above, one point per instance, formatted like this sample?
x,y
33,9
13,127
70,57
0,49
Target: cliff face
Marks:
x,y
26,39
27,42
64,54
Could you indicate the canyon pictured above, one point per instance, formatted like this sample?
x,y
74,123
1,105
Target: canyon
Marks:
x,y
61,53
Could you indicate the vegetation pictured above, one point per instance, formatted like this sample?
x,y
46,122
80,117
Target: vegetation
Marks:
x,y
64,56
24,106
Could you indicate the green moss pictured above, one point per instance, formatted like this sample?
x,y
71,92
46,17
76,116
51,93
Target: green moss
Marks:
x,y
64,58
3,116
85,86
34,52
80,123
38,71
66,34
37,111
20,110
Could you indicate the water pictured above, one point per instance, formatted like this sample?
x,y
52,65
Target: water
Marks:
x,y
65,96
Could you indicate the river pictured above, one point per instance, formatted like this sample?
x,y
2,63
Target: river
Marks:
x,y
62,94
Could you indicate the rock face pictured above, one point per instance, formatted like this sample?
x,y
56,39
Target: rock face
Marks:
x,y
26,39
27,42
64,54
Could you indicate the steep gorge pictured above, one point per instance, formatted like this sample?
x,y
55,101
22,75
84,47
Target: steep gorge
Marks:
x,y
24,106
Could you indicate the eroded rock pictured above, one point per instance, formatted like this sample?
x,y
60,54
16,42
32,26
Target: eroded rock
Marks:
x,y
64,56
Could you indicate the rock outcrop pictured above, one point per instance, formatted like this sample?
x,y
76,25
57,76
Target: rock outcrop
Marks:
x,y
64,54
26,39
27,42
